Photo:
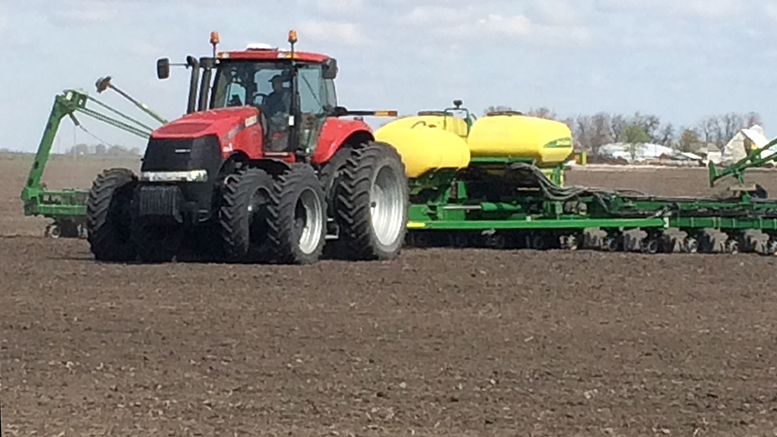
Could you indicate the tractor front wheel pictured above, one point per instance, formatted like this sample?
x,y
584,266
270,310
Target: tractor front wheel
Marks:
x,y
108,215
372,200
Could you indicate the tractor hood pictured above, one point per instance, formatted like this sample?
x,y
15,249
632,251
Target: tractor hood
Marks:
x,y
222,123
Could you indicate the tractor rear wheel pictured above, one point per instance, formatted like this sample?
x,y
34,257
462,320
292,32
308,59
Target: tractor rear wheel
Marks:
x,y
372,203
297,217
243,215
329,176
108,215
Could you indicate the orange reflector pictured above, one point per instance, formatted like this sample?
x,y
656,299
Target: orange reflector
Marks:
x,y
214,38
385,113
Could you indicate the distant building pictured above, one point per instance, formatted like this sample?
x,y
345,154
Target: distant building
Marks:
x,y
635,152
743,144
713,154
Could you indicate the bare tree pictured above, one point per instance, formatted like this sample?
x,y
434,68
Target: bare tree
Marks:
x,y
720,129
618,124
542,113
730,124
497,108
593,131
649,123
711,131
582,130
601,131
666,138
753,118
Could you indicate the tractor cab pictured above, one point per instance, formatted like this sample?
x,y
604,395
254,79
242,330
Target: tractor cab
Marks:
x,y
294,92
284,93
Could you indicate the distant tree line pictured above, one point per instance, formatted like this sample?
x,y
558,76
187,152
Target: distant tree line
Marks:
x,y
594,131
103,151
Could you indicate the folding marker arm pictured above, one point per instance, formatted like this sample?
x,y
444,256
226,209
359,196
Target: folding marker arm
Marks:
x,y
753,160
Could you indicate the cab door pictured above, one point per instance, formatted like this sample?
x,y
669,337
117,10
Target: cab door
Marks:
x,y
314,100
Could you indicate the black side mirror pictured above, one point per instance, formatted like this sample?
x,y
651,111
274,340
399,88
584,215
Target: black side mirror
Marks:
x,y
163,68
330,69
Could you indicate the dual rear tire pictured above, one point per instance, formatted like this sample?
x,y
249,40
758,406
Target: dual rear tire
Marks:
x,y
369,201
278,219
283,217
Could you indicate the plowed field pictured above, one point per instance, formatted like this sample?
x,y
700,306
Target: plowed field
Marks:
x,y
436,343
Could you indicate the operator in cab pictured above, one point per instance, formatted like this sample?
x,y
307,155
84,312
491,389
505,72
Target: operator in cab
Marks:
x,y
277,107
279,100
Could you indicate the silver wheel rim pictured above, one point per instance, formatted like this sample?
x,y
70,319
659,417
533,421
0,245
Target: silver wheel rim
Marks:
x,y
386,206
312,213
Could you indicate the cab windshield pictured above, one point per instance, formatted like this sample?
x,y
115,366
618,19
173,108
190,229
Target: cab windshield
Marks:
x,y
249,83
267,86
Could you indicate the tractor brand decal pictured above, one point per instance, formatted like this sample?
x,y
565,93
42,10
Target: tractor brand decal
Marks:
x,y
250,121
561,143
233,132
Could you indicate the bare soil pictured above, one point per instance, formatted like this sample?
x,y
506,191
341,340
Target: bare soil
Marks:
x,y
436,343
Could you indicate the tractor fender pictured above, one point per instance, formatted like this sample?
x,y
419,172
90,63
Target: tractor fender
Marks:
x,y
335,133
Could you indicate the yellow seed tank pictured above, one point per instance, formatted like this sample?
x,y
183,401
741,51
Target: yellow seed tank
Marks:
x,y
430,142
425,144
549,142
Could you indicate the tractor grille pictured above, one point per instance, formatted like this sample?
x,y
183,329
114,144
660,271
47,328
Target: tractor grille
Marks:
x,y
160,201
183,154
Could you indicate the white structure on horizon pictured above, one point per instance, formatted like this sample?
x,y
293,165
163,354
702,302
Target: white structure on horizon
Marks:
x,y
743,143
643,152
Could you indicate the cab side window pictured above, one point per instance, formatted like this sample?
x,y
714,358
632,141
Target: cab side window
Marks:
x,y
311,90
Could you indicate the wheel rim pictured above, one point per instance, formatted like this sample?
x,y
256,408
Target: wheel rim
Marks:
x,y
308,221
386,206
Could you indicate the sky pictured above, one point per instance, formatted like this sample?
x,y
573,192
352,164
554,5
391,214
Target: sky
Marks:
x,y
681,60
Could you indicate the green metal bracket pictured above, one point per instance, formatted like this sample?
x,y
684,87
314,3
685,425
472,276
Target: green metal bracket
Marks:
x,y
752,160
68,205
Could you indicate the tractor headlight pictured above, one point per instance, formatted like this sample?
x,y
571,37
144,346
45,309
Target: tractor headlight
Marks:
x,y
174,176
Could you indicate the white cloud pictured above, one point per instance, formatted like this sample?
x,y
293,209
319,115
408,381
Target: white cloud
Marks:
x,y
5,28
437,16
83,12
555,12
143,49
334,32
703,9
339,8
771,11
510,26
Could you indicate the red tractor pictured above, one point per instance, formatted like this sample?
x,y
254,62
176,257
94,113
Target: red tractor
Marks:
x,y
265,168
